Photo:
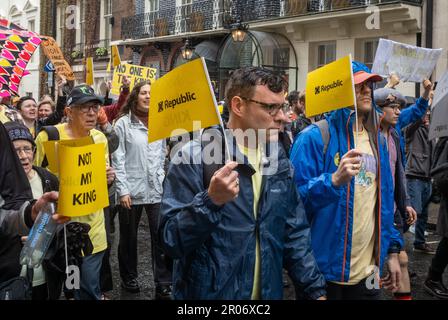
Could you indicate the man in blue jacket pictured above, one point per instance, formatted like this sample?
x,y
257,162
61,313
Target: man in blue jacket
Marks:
x,y
348,196
231,232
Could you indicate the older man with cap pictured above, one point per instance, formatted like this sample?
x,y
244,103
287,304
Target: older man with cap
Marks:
x,y
348,197
83,106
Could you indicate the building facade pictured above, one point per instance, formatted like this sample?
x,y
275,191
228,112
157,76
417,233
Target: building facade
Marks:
x,y
26,14
290,36
86,29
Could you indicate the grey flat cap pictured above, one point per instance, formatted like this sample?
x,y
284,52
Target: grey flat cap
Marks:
x,y
387,96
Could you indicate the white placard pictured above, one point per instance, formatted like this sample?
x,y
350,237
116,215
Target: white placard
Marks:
x,y
410,63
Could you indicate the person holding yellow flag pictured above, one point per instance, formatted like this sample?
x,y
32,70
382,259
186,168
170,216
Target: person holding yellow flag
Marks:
x,y
349,197
82,111
233,229
140,173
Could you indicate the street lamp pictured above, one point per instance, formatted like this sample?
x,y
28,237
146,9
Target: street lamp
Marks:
x,y
239,32
187,50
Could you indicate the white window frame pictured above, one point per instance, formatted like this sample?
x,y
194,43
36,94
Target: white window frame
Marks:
x,y
375,43
180,20
33,28
105,27
326,45
152,6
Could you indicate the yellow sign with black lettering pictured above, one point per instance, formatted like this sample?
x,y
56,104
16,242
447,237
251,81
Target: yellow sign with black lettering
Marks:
x,y
51,150
83,183
182,99
330,87
135,73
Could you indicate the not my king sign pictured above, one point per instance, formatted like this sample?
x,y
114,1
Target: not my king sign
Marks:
x,y
83,187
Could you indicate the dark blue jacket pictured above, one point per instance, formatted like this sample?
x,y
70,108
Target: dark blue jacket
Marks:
x,y
329,208
214,246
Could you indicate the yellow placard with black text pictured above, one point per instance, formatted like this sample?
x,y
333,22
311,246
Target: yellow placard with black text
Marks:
x,y
180,98
135,73
330,87
51,150
83,182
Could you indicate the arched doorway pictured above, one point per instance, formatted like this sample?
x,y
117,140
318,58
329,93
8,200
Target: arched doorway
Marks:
x,y
208,49
264,49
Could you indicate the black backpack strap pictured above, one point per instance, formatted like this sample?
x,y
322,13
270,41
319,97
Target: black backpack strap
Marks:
x,y
53,134
325,132
211,136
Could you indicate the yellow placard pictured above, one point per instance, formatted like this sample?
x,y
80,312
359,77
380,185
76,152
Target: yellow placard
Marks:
x,y
179,98
135,73
83,183
51,150
115,56
330,87
89,71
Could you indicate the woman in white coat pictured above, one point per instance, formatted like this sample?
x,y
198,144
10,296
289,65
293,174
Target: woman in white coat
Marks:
x,y
139,167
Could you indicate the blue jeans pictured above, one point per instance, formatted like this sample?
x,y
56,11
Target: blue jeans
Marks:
x,y
90,277
420,194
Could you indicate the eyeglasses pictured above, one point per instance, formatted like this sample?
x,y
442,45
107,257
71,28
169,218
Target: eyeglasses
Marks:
x,y
365,84
271,108
86,108
26,150
395,107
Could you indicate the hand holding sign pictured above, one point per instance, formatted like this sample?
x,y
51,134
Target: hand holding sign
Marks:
x,y
61,82
126,82
348,168
224,185
393,81
427,86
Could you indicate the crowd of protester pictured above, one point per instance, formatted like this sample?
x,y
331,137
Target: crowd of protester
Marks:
x,y
326,198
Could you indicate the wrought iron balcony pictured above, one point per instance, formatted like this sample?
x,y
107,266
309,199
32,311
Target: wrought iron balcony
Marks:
x,y
203,15
194,17
249,10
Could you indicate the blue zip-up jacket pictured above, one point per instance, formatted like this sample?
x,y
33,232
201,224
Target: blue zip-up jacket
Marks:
x,y
214,246
329,208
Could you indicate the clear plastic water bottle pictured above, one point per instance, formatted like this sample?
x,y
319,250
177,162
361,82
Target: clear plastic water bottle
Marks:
x,y
39,238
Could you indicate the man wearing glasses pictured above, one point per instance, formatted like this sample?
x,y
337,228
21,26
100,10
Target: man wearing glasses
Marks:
x,y
349,197
83,106
232,233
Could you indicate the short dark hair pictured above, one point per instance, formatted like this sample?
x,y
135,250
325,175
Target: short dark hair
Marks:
x,y
302,97
22,100
242,82
293,96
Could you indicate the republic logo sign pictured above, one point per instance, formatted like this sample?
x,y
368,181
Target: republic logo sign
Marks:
x,y
326,88
181,99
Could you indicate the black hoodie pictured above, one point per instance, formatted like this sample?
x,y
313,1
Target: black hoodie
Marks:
x,y
15,211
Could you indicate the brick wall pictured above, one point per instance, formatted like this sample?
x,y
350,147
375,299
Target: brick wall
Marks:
x,y
121,9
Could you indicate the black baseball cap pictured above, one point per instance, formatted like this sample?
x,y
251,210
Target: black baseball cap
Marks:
x,y
82,94
18,131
